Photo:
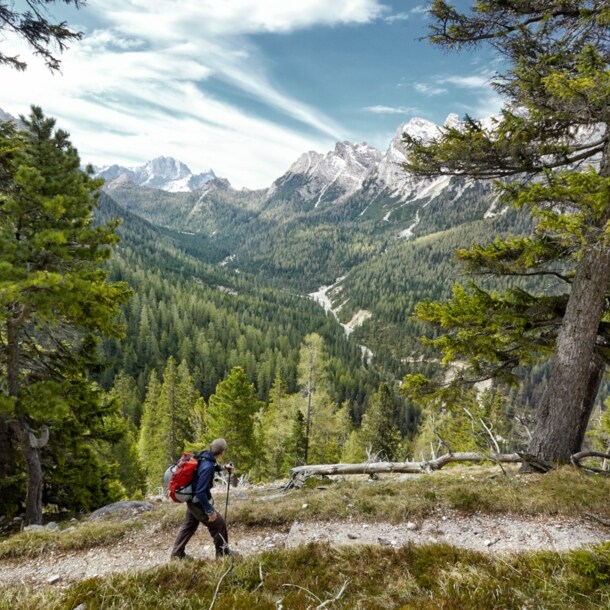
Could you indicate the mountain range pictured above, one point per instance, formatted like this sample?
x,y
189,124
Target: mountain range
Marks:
x,y
165,173
350,225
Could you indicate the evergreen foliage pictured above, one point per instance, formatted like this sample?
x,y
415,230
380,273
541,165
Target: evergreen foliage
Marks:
x,y
34,27
551,148
231,415
53,291
379,433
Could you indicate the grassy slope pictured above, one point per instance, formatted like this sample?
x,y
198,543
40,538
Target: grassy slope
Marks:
x,y
433,576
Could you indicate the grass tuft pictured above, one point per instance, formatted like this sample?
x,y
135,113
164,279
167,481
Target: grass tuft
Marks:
x,y
434,576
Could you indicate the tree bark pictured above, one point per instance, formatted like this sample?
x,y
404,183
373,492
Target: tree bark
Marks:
x,y
565,409
19,427
33,468
597,369
412,467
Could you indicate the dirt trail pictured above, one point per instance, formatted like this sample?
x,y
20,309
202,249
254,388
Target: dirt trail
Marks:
x,y
150,546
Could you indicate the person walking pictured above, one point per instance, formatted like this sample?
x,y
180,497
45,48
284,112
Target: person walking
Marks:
x,y
201,509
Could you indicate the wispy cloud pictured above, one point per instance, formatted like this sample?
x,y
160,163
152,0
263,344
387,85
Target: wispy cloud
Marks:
x,y
396,17
390,109
421,9
136,86
469,82
427,89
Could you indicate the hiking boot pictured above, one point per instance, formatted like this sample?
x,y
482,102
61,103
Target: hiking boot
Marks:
x,y
227,553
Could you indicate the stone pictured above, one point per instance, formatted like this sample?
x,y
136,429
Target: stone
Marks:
x,y
305,506
52,526
53,579
33,528
411,526
353,536
132,506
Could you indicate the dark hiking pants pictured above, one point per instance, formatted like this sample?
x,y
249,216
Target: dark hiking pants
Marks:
x,y
193,517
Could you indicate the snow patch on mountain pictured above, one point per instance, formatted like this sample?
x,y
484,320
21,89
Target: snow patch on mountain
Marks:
x,y
163,173
338,173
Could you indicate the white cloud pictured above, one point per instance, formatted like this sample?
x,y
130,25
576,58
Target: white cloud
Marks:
x,y
235,17
135,87
396,17
390,109
429,89
469,82
421,9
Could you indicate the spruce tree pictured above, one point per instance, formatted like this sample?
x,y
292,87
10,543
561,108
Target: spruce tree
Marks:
x,y
36,27
230,415
151,445
550,148
379,432
53,289
312,378
297,442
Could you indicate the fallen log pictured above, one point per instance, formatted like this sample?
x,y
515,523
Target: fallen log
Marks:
x,y
399,467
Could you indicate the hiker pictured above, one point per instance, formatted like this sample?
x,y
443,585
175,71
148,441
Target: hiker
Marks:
x,y
201,509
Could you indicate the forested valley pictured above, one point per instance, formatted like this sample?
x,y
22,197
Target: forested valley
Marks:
x,y
450,295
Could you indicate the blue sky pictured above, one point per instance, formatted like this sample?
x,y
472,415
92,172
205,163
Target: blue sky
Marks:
x,y
245,86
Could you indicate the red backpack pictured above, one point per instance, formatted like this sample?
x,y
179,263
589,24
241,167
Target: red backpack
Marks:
x,y
179,477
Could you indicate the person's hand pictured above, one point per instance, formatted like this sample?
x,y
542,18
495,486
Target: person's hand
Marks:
x,y
230,467
212,517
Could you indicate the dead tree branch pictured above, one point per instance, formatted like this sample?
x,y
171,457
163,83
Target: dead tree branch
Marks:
x,y
577,457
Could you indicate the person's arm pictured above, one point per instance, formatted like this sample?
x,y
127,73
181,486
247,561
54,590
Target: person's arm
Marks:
x,y
204,483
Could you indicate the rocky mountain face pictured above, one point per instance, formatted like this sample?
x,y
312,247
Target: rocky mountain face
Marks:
x,y
353,189
316,180
163,173
5,116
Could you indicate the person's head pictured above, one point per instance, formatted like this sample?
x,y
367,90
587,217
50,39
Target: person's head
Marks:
x,y
218,446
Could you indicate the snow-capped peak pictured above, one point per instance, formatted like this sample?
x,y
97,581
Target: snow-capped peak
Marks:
x,y
332,176
452,120
164,173
419,128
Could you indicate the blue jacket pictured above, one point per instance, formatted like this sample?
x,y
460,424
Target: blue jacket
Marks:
x,y
205,480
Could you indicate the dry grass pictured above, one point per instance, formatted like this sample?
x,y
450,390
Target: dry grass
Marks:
x,y
426,577
371,578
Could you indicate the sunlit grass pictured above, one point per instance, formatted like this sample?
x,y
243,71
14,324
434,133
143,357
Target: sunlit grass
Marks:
x,y
427,577
568,492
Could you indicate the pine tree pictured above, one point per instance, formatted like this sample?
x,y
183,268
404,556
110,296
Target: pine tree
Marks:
x,y
53,289
551,149
36,28
312,377
125,392
297,442
379,432
151,444
176,404
230,415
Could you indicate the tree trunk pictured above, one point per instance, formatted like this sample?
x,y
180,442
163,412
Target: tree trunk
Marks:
x,y
597,369
33,468
399,467
564,412
30,446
